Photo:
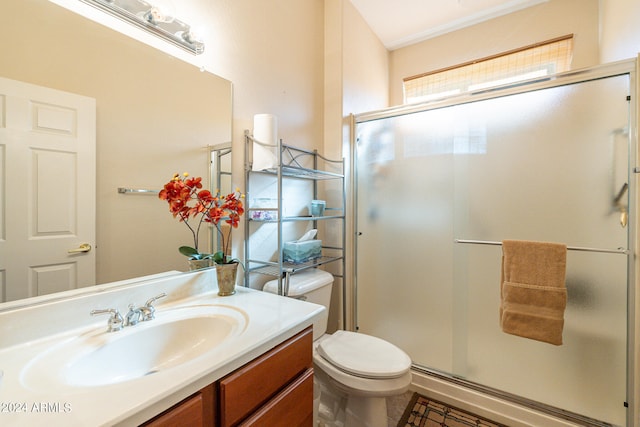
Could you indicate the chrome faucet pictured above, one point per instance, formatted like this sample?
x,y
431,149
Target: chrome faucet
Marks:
x,y
142,314
115,322
133,316
149,311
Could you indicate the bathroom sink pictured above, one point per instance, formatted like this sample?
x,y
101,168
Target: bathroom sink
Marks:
x,y
99,358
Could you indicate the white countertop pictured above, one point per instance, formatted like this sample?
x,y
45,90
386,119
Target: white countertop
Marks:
x,y
270,319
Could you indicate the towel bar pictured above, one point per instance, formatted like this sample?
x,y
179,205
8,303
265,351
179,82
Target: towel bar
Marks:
x,y
122,190
569,248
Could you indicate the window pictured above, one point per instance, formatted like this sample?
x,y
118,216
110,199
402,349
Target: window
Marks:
x,y
538,60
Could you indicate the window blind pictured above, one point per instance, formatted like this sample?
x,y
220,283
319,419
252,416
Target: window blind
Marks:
x,y
529,62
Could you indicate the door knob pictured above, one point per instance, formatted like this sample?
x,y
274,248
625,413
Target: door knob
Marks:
x,y
85,247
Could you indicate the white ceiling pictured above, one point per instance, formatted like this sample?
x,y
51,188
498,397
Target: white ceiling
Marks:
x,y
400,23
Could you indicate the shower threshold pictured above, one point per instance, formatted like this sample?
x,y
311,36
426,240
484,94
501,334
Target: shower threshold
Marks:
x,y
512,398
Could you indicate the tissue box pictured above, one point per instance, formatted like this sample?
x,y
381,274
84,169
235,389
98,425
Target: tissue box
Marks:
x,y
298,252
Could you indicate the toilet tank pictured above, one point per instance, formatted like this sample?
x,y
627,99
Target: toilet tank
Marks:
x,y
312,285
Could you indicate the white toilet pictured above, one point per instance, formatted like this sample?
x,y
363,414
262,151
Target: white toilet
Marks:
x,y
354,372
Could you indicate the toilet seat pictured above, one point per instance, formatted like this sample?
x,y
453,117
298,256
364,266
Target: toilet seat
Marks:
x,y
364,356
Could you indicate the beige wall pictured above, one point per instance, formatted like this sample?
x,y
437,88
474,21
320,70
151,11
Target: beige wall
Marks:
x,y
366,65
356,71
273,53
356,79
620,35
542,22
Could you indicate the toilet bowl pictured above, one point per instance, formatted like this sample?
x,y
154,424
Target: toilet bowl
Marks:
x,y
354,372
364,371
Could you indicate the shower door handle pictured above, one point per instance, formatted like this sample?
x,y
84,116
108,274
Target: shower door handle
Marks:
x,y
624,218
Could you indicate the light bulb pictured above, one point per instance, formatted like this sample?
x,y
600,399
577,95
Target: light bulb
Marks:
x,y
161,11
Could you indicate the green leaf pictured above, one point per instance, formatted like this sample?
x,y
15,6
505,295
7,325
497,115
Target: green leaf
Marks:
x,y
189,251
219,258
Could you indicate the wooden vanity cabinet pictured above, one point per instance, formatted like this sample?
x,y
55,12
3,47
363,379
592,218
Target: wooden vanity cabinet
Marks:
x,y
275,389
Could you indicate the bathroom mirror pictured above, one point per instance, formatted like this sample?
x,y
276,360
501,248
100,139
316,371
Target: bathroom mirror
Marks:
x,y
156,116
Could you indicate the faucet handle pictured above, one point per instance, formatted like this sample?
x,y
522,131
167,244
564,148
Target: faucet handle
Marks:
x,y
148,311
154,299
115,321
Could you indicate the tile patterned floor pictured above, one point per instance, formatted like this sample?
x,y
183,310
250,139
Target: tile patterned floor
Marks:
x,y
428,412
396,406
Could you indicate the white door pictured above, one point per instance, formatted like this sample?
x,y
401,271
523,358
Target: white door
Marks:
x,y
47,190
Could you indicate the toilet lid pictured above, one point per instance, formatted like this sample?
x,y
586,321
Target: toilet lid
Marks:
x,y
364,355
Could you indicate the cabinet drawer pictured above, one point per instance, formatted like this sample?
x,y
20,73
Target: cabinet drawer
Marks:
x,y
292,407
194,411
248,388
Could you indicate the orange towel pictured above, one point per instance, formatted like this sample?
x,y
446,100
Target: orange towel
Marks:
x,y
532,289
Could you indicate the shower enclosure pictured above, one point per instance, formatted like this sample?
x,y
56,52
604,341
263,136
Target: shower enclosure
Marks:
x,y
440,185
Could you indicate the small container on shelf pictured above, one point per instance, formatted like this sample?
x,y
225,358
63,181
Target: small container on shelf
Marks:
x,y
270,212
317,207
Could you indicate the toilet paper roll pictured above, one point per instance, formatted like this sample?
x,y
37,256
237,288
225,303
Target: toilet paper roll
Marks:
x,y
265,130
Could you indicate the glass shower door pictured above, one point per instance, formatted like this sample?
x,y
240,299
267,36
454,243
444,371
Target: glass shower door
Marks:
x,y
545,165
405,228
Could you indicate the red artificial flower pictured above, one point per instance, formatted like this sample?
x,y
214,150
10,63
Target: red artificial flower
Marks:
x,y
179,192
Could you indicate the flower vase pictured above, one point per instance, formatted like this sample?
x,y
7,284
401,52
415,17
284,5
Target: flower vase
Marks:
x,y
226,274
197,264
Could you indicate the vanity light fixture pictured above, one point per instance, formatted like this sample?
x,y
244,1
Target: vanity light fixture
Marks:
x,y
152,19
